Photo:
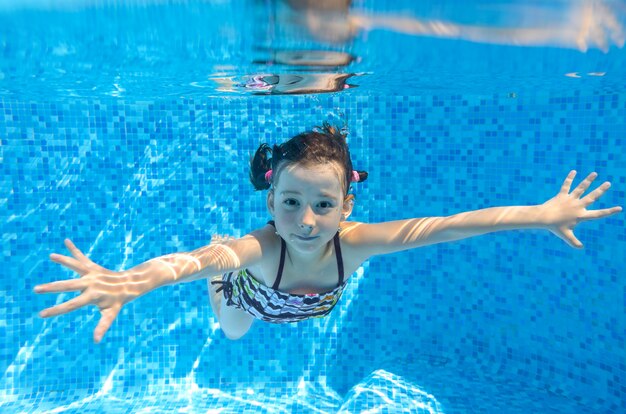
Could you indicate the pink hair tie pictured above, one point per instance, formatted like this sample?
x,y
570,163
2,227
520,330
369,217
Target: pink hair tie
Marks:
x,y
268,176
355,177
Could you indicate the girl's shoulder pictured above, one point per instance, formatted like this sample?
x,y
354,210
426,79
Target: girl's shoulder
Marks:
x,y
351,241
269,245
349,232
267,239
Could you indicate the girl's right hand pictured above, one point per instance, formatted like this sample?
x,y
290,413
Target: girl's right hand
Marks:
x,y
104,288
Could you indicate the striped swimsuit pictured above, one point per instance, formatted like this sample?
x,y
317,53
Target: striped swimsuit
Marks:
x,y
244,292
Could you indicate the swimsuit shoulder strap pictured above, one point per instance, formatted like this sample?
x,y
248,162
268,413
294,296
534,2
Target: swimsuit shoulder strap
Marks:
x,y
283,248
339,258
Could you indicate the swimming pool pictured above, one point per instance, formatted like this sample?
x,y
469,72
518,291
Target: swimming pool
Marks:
x,y
128,129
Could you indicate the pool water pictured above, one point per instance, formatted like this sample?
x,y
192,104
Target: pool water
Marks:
x,y
127,127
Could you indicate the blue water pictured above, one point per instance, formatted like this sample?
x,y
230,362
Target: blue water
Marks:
x,y
127,128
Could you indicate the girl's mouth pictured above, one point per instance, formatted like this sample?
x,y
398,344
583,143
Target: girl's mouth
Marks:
x,y
305,238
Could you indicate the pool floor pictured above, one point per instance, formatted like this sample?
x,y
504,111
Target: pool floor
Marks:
x,y
442,389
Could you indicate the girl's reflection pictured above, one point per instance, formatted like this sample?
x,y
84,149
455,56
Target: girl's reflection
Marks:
x,y
579,25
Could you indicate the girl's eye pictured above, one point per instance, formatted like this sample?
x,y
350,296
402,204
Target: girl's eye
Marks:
x,y
291,202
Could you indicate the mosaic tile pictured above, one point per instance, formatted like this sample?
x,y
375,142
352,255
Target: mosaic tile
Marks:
x,y
505,322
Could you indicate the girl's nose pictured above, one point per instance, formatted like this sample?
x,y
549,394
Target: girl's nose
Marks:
x,y
306,228
307,221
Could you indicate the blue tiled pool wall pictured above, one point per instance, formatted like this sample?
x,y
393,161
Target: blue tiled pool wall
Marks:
x,y
130,180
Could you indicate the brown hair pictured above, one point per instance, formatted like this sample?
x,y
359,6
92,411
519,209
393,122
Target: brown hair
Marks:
x,y
320,145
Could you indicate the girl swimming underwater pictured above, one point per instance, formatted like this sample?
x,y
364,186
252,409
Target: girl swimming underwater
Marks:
x,y
296,266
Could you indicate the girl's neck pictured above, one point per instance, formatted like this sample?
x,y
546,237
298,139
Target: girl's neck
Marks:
x,y
310,259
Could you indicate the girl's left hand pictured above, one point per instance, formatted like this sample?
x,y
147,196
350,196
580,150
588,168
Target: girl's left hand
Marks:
x,y
564,211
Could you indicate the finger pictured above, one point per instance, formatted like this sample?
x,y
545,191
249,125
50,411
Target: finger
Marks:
x,y
74,250
595,214
61,286
69,306
69,262
80,256
571,239
568,182
596,194
584,184
108,316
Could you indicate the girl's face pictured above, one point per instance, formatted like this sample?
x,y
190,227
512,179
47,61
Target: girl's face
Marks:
x,y
307,205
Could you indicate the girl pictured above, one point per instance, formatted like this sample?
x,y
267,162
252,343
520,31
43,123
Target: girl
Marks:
x,y
297,265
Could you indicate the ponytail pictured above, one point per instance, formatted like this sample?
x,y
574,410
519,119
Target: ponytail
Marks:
x,y
260,164
362,176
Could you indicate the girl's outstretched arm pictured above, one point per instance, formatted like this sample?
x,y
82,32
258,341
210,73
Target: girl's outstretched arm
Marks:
x,y
111,290
560,215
